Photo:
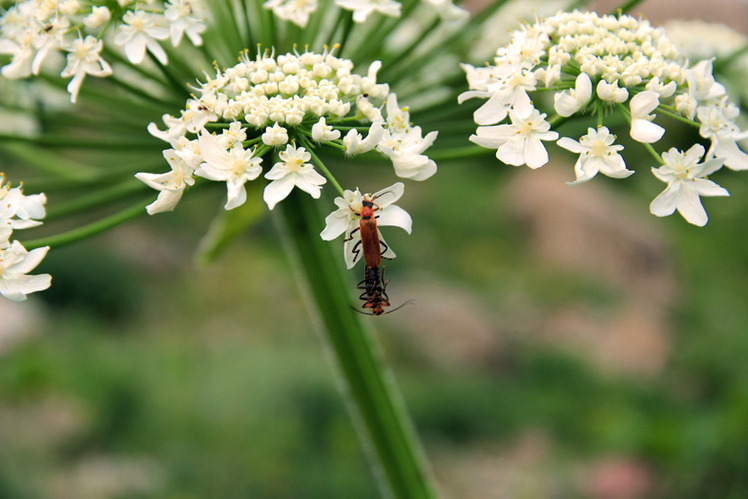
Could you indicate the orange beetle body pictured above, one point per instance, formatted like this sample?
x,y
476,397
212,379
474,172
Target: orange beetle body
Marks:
x,y
370,244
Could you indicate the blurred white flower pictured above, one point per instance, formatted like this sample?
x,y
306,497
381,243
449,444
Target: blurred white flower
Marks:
x,y
185,17
141,31
15,263
97,18
717,126
362,9
295,11
84,58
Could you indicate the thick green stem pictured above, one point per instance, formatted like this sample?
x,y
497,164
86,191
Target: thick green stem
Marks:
x,y
367,385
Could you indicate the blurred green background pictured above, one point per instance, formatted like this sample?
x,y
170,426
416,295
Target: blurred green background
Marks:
x,y
559,342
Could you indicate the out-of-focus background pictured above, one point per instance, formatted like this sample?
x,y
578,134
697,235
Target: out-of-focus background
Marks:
x,y
560,342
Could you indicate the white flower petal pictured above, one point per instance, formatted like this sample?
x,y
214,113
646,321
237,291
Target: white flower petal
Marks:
x,y
664,204
278,190
535,152
645,131
690,207
395,216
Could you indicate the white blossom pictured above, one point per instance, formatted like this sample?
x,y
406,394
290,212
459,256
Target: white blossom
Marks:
x,y
664,89
15,264
362,9
295,11
141,31
50,39
98,17
235,134
642,128
18,211
235,167
610,92
597,153
185,18
685,178
322,132
170,185
84,58
22,55
275,135
505,92
519,143
355,143
346,219
175,128
570,101
292,171
717,126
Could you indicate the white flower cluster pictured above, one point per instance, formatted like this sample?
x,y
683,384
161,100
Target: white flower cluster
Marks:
x,y
32,30
595,65
299,11
18,211
270,102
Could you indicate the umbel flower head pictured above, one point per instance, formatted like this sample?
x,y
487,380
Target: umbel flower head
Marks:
x,y
32,30
596,66
286,107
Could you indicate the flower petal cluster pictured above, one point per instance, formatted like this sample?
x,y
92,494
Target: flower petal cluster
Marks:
x,y
31,30
346,219
19,211
267,102
293,170
596,66
685,178
520,142
597,153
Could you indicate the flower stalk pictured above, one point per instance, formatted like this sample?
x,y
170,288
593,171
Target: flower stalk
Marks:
x,y
367,385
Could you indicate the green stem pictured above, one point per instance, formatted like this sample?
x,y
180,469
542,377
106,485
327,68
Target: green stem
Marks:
x,y
459,153
91,229
677,116
47,162
95,199
375,403
68,142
